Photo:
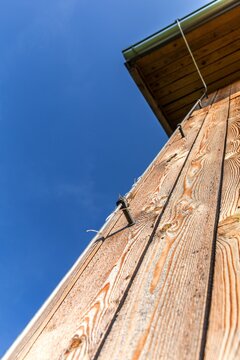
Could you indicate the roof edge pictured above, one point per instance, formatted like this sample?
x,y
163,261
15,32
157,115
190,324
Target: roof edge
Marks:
x,y
194,19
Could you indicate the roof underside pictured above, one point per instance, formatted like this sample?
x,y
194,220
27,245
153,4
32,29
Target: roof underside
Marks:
x,y
166,74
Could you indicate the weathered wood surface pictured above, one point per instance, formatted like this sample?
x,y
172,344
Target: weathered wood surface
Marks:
x,y
144,292
95,316
163,316
223,340
56,325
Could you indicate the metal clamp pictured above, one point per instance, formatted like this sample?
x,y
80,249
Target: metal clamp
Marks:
x,y
179,126
124,207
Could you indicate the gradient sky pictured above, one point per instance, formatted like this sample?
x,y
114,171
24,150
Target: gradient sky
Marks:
x,y
75,132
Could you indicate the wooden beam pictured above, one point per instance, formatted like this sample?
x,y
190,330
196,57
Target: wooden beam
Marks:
x,y
139,80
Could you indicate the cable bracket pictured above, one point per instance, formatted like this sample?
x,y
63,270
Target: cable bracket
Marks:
x,y
124,207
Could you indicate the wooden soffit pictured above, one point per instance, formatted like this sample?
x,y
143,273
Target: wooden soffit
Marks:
x,y
167,76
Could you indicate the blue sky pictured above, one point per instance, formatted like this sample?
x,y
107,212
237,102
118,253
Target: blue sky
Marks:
x,y
75,132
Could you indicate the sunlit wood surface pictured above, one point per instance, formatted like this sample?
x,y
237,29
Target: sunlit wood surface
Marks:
x,y
167,287
224,325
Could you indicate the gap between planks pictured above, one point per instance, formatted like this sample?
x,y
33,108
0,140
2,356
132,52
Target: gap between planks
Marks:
x,y
46,317
163,316
223,338
102,311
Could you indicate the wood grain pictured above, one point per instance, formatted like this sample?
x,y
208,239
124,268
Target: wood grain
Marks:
x,y
163,314
197,38
138,78
211,79
181,103
223,341
205,56
100,313
54,327
177,116
191,82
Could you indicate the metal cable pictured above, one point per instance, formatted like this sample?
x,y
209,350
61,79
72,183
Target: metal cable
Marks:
x,y
191,54
199,101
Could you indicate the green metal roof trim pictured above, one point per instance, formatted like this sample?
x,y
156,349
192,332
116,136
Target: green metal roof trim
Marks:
x,y
189,22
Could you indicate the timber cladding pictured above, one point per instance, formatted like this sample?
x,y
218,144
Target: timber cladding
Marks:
x,y
167,287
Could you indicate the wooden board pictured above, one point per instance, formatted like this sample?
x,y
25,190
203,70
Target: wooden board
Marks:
x,y
144,292
212,74
190,98
204,56
57,323
209,32
187,76
93,326
223,341
163,315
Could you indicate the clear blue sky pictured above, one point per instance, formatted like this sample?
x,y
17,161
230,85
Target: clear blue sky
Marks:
x,y
75,132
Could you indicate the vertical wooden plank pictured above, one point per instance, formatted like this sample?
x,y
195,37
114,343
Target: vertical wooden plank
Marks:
x,y
163,315
223,341
57,323
100,311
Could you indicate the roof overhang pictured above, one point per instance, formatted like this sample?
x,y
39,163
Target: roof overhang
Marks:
x,y
164,71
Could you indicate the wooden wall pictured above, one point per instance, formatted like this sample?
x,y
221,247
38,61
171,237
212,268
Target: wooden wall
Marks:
x,y
167,287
